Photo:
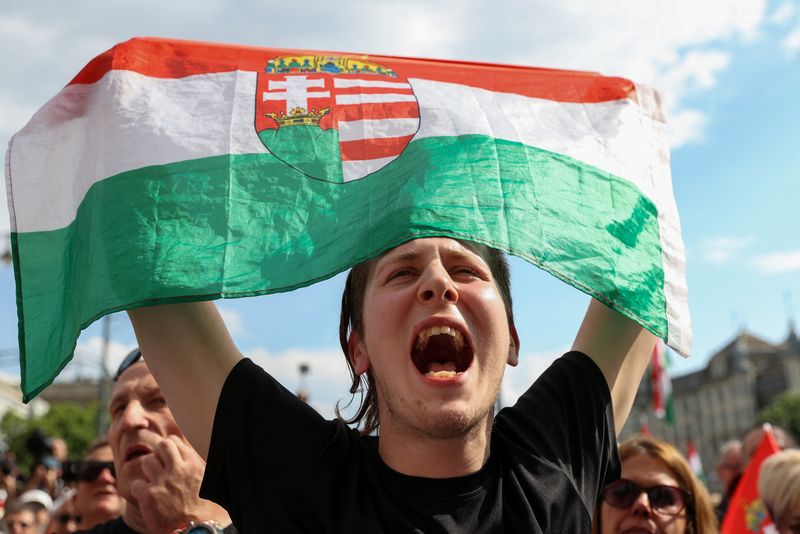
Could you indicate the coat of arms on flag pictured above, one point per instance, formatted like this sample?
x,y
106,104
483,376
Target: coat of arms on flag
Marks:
x,y
334,118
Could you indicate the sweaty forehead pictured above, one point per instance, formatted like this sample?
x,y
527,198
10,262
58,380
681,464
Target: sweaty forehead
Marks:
x,y
417,248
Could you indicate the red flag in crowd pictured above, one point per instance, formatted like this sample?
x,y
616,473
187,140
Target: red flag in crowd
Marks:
x,y
746,513
662,384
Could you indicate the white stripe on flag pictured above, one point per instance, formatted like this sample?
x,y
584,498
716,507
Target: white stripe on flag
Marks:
x,y
374,98
355,169
627,138
348,82
376,129
120,123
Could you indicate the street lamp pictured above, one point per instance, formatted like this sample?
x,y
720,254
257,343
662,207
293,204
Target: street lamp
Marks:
x,y
302,391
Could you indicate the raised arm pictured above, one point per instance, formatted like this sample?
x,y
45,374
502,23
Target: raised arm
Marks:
x,y
621,348
190,353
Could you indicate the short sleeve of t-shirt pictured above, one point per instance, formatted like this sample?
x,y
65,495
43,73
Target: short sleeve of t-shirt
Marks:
x,y
566,418
257,418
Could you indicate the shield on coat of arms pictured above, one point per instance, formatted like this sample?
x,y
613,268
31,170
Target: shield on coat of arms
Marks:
x,y
333,118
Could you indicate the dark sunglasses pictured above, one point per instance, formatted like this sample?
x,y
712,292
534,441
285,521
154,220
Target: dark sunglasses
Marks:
x,y
91,469
669,500
133,356
66,518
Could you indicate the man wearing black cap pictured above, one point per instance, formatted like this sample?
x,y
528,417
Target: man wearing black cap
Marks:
x,y
157,471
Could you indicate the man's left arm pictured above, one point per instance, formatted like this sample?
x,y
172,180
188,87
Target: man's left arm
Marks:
x,y
621,348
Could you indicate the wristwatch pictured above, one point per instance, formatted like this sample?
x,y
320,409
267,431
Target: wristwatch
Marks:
x,y
201,527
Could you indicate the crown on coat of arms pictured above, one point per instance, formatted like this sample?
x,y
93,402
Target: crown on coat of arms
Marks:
x,y
327,65
299,116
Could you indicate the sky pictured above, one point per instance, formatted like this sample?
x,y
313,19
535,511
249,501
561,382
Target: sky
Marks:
x,y
729,72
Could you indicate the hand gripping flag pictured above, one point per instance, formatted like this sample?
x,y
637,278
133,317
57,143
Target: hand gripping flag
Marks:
x,y
170,171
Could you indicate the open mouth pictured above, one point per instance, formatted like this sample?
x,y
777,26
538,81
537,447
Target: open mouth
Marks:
x,y
441,352
135,452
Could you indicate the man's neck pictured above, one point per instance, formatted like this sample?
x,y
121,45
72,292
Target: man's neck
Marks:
x,y
133,517
413,454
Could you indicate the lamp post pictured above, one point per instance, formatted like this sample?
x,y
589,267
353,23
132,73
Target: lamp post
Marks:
x,y
302,391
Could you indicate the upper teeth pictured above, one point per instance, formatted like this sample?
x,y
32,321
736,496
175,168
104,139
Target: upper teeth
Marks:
x,y
422,338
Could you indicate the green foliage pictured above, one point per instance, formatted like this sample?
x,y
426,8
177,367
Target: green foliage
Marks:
x,y
75,424
784,411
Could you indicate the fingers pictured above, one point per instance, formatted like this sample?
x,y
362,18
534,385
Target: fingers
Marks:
x,y
152,466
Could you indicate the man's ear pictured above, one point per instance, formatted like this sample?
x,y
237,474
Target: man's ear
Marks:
x,y
357,353
513,346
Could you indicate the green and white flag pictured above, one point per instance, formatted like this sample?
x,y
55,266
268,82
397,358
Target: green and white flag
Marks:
x,y
170,171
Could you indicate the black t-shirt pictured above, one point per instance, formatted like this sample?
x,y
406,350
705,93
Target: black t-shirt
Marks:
x,y
118,526
277,466
115,526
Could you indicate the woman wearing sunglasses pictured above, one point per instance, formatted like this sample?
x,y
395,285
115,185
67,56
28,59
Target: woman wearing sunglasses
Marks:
x,y
656,494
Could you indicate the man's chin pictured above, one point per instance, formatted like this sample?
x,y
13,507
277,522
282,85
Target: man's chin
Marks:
x,y
126,477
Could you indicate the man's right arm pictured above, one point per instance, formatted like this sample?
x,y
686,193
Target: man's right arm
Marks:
x,y
190,353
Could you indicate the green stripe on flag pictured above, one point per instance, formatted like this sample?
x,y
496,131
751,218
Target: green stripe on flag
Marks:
x,y
233,226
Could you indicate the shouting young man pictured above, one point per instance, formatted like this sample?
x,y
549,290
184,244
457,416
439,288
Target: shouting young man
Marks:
x,y
428,330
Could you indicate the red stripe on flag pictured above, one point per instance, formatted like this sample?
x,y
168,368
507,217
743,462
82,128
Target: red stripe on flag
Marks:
x,y
372,91
394,110
165,58
373,148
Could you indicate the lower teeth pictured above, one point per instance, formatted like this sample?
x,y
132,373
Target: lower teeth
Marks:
x,y
441,374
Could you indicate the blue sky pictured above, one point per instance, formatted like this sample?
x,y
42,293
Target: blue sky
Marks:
x,y
729,70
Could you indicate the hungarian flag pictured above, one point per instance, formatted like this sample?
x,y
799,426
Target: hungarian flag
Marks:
x,y
746,513
663,404
171,171
693,457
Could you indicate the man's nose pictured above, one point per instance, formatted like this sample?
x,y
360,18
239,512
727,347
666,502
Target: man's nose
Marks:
x,y
437,285
132,416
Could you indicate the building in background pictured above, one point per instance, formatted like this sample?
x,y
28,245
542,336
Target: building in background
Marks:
x,y
11,400
723,400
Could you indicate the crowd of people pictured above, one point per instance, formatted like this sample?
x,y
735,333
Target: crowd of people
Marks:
x,y
59,496
429,453
656,492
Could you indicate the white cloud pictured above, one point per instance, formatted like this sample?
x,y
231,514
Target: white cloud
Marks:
x,y
687,126
778,262
233,320
720,250
87,362
328,379
783,13
518,379
791,43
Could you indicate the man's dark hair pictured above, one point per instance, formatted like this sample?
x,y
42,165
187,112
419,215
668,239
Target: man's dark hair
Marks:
x,y
351,320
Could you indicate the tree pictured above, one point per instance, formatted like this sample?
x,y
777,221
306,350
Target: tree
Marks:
x,y
784,411
75,424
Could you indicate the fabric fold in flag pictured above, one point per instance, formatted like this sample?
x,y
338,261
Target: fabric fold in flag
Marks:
x,y
170,171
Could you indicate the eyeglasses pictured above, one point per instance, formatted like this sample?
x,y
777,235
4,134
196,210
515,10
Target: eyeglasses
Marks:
x,y
67,518
669,500
91,469
133,356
